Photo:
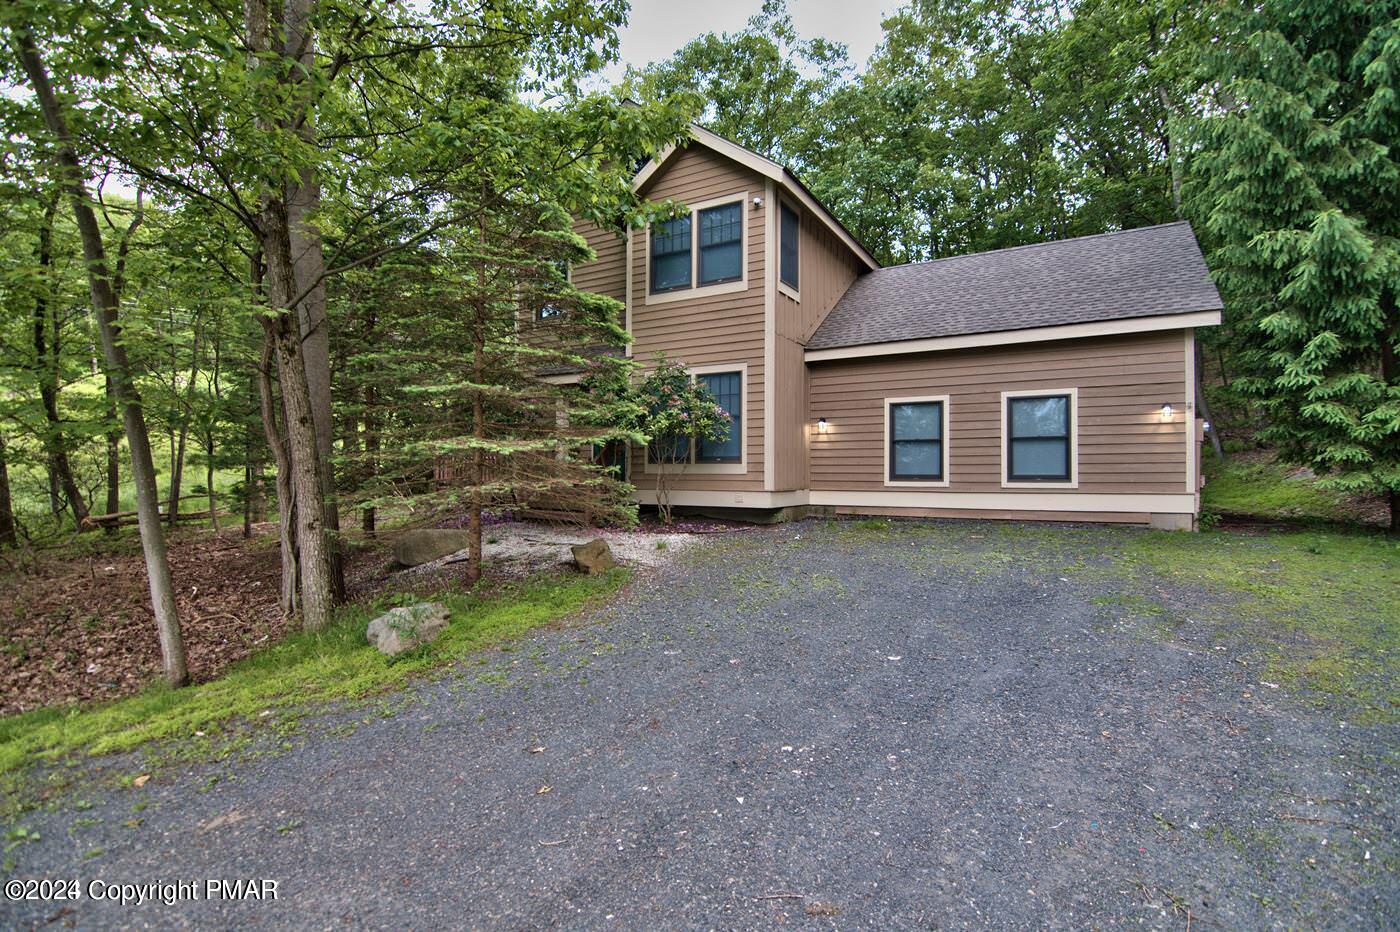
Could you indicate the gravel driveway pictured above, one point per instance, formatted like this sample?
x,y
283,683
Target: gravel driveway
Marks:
x,y
812,725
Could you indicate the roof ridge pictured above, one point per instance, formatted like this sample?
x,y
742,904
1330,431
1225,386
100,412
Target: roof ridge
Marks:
x,y
1043,243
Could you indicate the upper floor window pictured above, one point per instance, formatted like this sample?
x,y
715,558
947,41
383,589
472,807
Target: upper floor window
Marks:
x,y
1038,438
787,245
670,254
721,244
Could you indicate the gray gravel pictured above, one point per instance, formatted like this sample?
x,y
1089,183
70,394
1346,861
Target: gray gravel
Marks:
x,y
811,725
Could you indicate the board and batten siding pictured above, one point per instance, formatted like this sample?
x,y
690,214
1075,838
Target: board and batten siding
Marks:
x,y
825,269
1122,382
712,329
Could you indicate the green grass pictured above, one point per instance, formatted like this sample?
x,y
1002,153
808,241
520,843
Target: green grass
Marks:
x,y
295,677
1322,608
1266,490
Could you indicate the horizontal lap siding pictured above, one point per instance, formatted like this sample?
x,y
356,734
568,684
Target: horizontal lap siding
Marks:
x,y
1124,447
607,274
712,330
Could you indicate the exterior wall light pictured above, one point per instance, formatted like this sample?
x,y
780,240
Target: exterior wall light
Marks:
x,y
757,203
821,425
1167,410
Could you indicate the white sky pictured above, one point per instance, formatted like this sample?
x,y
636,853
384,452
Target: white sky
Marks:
x,y
656,28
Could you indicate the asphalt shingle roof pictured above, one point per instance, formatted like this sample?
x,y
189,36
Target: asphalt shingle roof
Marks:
x,y
1147,272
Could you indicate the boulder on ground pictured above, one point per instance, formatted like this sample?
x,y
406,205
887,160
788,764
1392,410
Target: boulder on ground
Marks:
x,y
401,629
594,556
425,545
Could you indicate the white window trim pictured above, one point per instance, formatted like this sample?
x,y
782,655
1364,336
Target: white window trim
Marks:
x,y
713,469
943,434
1003,433
702,291
783,287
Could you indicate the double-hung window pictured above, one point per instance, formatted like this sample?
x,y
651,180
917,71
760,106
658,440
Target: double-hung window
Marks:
x,y
916,441
727,389
1038,438
721,243
787,245
670,254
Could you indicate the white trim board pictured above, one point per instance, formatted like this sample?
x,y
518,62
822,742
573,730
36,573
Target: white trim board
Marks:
x,y
695,290
1011,501
714,499
770,337
1010,337
765,167
1005,438
942,443
935,500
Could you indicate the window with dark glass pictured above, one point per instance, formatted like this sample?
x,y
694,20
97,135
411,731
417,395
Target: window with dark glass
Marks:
x,y
670,254
726,387
550,311
787,245
1038,438
721,244
916,441
669,450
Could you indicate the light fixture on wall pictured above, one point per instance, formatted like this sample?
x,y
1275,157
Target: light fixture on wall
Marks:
x,y
757,203
1167,410
821,425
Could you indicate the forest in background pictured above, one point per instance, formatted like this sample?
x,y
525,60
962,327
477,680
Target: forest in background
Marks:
x,y
270,261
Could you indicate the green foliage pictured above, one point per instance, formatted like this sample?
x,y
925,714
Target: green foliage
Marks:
x,y
1298,190
1270,490
297,677
675,411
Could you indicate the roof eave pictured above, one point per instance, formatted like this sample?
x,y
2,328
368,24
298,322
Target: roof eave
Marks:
x,y
1115,327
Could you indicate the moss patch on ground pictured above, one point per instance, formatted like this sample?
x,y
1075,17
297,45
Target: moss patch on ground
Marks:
x,y
1322,607
297,676
1262,489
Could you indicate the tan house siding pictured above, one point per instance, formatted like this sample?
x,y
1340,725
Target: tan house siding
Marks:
x,y
607,274
708,330
825,269
1124,445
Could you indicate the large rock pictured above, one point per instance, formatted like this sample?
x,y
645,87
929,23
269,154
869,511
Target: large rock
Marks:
x,y
401,629
594,556
428,544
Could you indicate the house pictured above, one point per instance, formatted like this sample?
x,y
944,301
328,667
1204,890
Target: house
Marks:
x,y
1052,381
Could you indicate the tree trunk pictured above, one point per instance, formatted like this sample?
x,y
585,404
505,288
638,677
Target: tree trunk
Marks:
x,y
247,496
8,537
368,515
269,406
181,442
114,351
478,458
46,363
209,484
309,268
307,475
177,473
114,471
1204,406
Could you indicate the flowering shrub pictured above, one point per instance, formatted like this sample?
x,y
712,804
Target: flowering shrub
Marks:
x,y
677,411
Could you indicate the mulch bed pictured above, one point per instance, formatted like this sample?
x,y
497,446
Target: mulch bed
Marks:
x,y
79,627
